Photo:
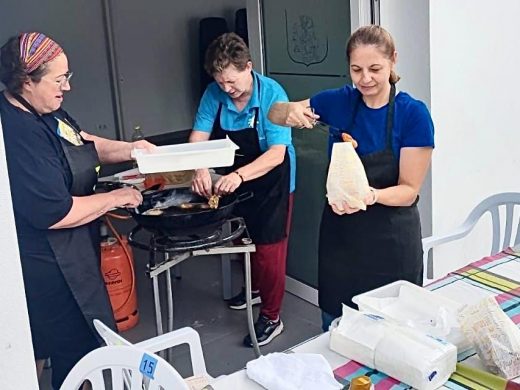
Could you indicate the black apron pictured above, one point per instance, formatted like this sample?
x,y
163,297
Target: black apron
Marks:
x,y
368,249
77,250
265,213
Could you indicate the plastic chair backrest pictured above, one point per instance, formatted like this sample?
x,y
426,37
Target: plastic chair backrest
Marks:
x,y
491,205
145,368
109,336
500,240
184,335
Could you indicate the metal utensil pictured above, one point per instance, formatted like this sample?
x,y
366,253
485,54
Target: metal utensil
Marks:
x,y
320,125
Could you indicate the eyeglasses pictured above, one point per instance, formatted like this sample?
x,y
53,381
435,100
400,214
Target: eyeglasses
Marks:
x,y
64,79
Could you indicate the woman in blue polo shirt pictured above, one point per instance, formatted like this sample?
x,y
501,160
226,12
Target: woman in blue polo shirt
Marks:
x,y
236,105
363,250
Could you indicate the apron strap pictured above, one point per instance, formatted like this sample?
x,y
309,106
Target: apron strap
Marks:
x,y
390,117
217,117
354,113
32,110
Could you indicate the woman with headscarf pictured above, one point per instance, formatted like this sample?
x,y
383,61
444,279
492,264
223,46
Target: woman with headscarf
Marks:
x,y
53,167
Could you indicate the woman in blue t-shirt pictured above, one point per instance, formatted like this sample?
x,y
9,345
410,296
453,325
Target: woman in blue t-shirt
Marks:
x,y
363,250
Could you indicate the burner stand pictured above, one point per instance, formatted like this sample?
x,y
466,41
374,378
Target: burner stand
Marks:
x,y
175,251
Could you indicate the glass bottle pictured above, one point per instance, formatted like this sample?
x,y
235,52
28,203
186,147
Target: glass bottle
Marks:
x,y
137,134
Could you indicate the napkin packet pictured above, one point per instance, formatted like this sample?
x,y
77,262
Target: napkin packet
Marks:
x,y
422,361
427,312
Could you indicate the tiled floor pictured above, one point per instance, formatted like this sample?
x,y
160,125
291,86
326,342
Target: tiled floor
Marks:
x,y
198,303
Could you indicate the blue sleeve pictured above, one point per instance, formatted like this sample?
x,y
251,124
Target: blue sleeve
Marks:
x,y
321,103
274,134
332,105
37,176
418,130
207,110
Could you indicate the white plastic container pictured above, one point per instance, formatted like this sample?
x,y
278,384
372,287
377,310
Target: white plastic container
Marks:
x,y
170,158
410,305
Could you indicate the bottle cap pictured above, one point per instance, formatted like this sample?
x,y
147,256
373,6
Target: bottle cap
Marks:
x,y
360,383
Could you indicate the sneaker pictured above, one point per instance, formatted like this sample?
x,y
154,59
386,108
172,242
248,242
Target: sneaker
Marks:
x,y
265,330
238,302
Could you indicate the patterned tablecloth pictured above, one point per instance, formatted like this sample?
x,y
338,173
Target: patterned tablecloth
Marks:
x,y
497,275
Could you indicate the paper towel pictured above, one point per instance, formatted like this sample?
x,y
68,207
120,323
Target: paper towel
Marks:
x,y
419,360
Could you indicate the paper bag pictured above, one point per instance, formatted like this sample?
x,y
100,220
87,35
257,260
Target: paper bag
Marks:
x,y
346,180
494,335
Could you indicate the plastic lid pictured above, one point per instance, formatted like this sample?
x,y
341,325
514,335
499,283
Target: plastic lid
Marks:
x,y
360,383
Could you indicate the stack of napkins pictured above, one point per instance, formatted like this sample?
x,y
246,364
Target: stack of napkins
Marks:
x,y
417,359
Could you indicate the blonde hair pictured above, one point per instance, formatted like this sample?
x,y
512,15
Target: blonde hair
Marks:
x,y
377,36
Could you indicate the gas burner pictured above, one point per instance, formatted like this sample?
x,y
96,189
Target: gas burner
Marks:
x,y
231,237
228,231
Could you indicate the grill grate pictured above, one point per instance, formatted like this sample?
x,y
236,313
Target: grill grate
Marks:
x,y
160,242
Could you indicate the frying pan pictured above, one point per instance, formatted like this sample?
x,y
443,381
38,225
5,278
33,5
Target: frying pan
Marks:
x,y
179,221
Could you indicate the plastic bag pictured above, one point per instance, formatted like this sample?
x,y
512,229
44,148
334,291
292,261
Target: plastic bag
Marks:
x,y
346,180
494,335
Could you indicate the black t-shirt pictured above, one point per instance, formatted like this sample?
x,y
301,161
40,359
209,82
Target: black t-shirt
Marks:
x,y
39,175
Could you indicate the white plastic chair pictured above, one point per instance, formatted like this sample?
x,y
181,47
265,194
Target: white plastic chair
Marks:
x,y
143,369
500,241
124,372
159,343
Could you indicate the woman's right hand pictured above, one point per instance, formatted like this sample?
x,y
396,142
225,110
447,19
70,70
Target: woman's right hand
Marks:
x,y
126,197
343,208
202,183
293,114
300,115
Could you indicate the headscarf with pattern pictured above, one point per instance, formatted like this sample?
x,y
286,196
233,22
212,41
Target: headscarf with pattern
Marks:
x,y
37,49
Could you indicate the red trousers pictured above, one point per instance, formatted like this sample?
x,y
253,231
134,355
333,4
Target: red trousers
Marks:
x,y
268,266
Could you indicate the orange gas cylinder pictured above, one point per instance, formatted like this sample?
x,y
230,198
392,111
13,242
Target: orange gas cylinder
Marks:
x,y
118,273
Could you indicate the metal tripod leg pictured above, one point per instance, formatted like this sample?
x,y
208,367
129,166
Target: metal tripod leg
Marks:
x,y
225,261
169,293
249,305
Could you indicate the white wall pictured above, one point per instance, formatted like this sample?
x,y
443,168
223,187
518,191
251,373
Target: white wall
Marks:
x,y
17,370
400,18
460,58
475,105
